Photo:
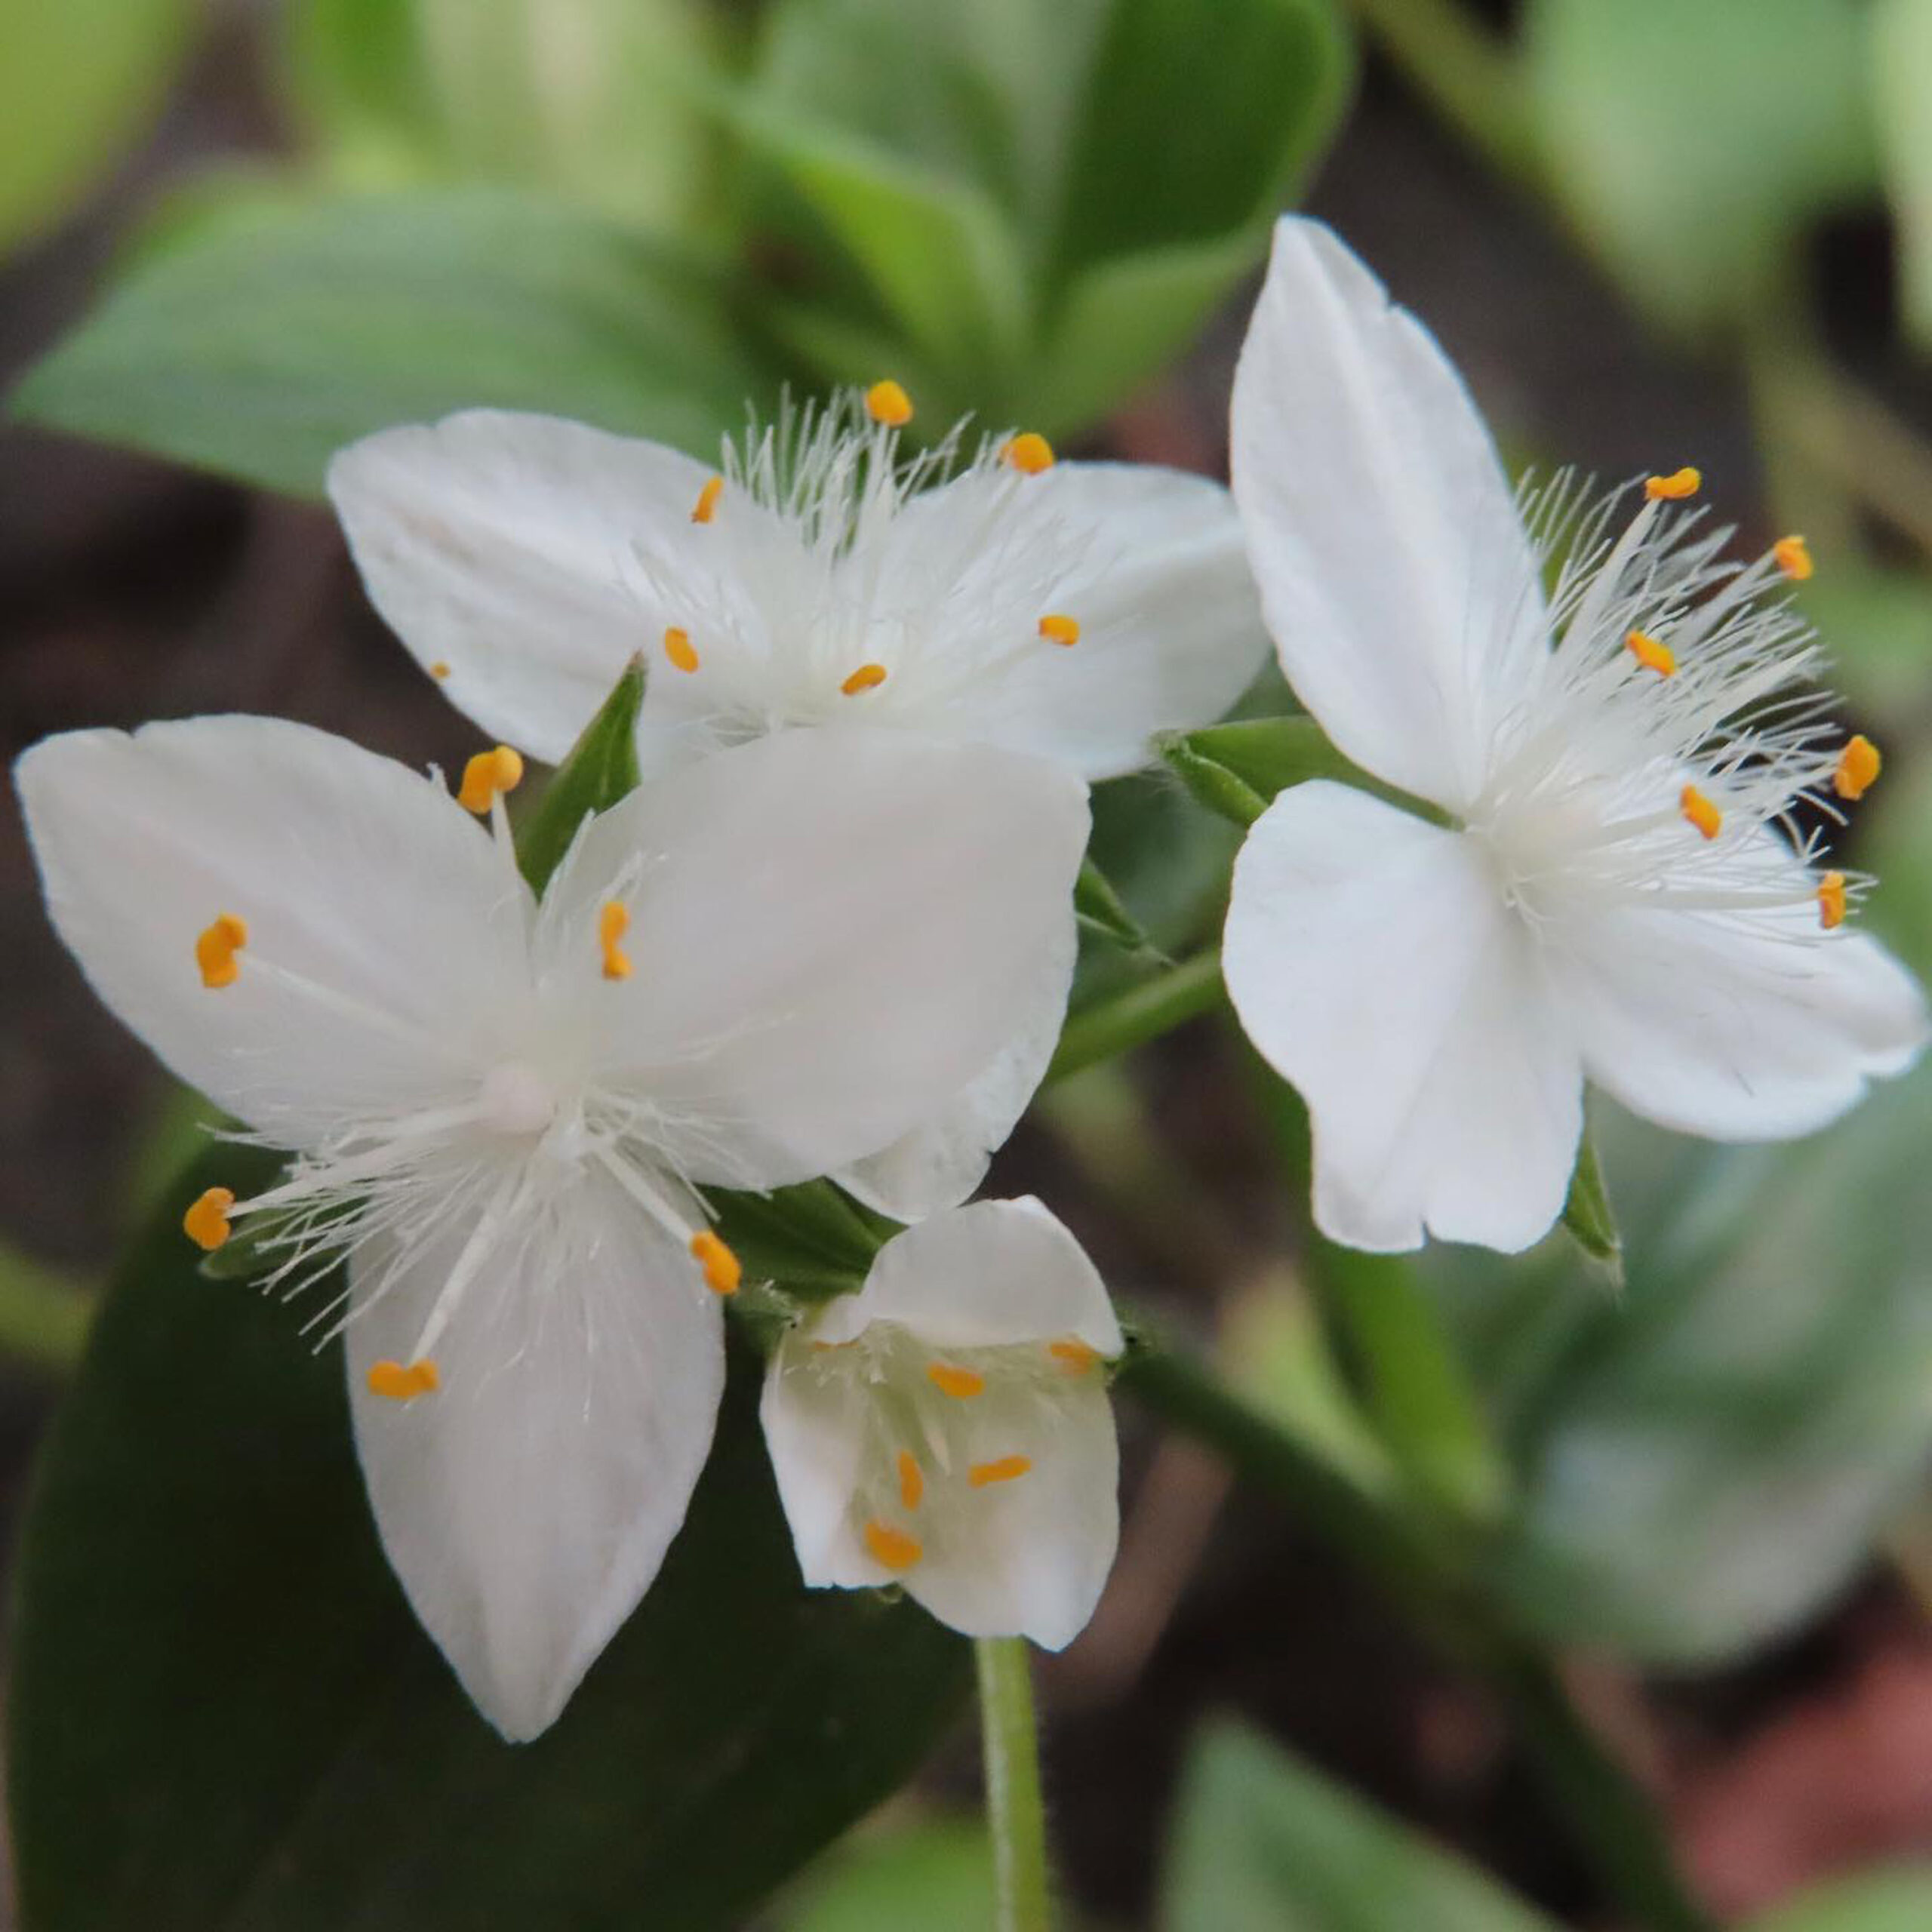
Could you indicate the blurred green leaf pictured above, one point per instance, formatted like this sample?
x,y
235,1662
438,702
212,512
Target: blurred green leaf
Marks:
x,y
1263,1843
600,769
79,83
1877,624
1708,1457
1693,142
1005,183
589,99
1893,1901
936,1875
1902,58
225,1719
261,349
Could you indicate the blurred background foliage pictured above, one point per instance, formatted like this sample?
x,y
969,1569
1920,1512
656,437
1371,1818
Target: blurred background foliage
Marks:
x,y
1691,1491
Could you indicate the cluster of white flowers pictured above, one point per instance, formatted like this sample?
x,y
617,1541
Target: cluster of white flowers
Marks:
x,y
832,934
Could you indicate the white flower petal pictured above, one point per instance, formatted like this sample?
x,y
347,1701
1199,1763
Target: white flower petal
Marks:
x,y
1148,561
387,936
816,1431
988,1275
1396,574
1374,965
527,1503
939,1164
833,934
1739,1028
500,546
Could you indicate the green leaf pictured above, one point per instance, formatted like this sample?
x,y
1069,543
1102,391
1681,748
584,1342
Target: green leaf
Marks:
x,y
936,1875
1894,1901
1653,116
600,769
1902,57
262,351
1262,1843
80,81
225,1719
588,99
1102,911
1708,1457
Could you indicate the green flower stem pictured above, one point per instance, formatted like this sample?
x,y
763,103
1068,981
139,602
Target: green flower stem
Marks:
x,y
1141,1013
1015,1813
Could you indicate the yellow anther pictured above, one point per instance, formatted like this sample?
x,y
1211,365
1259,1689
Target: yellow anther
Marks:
x,y
1700,811
1675,487
1008,1468
1059,629
439,670
678,648
706,506
1030,453
612,924
893,1548
206,1223
863,679
1074,1356
886,402
485,775
1652,655
912,1484
962,1384
1793,555
723,1270
1831,900
396,1383
1859,766
216,948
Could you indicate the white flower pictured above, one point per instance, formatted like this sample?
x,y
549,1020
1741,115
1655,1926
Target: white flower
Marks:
x,y
1619,893
1066,610
948,1428
740,976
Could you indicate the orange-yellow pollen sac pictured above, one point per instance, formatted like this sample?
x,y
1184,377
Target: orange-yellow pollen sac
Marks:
x,y
215,950
723,1270
1675,487
706,506
1073,1356
1006,1468
1652,655
962,1384
678,649
487,774
887,402
1030,453
1859,766
1699,811
206,1222
1831,900
1058,628
1792,555
867,677
395,1383
612,924
893,1548
912,1481
440,670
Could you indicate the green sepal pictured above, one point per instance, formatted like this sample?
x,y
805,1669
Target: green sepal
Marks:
x,y
1102,911
812,1239
1237,769
1586,1214
600,768
1212,784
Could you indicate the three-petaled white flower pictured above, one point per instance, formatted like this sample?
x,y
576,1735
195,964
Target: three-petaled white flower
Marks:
x,y
1620,893
948,1428
819,578
740,976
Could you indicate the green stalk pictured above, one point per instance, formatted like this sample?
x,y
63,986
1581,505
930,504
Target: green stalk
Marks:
x,y
1143,1013
1016,1815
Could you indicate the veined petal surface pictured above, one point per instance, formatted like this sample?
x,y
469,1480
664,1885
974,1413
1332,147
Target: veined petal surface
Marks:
x,y
1374,965
1396,577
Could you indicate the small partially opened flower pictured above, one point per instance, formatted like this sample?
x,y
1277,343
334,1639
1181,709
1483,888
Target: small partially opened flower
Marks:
x,y
949,1428
1620,891
501,1110
820,576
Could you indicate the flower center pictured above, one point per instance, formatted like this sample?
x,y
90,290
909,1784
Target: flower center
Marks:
x,y
516,1100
